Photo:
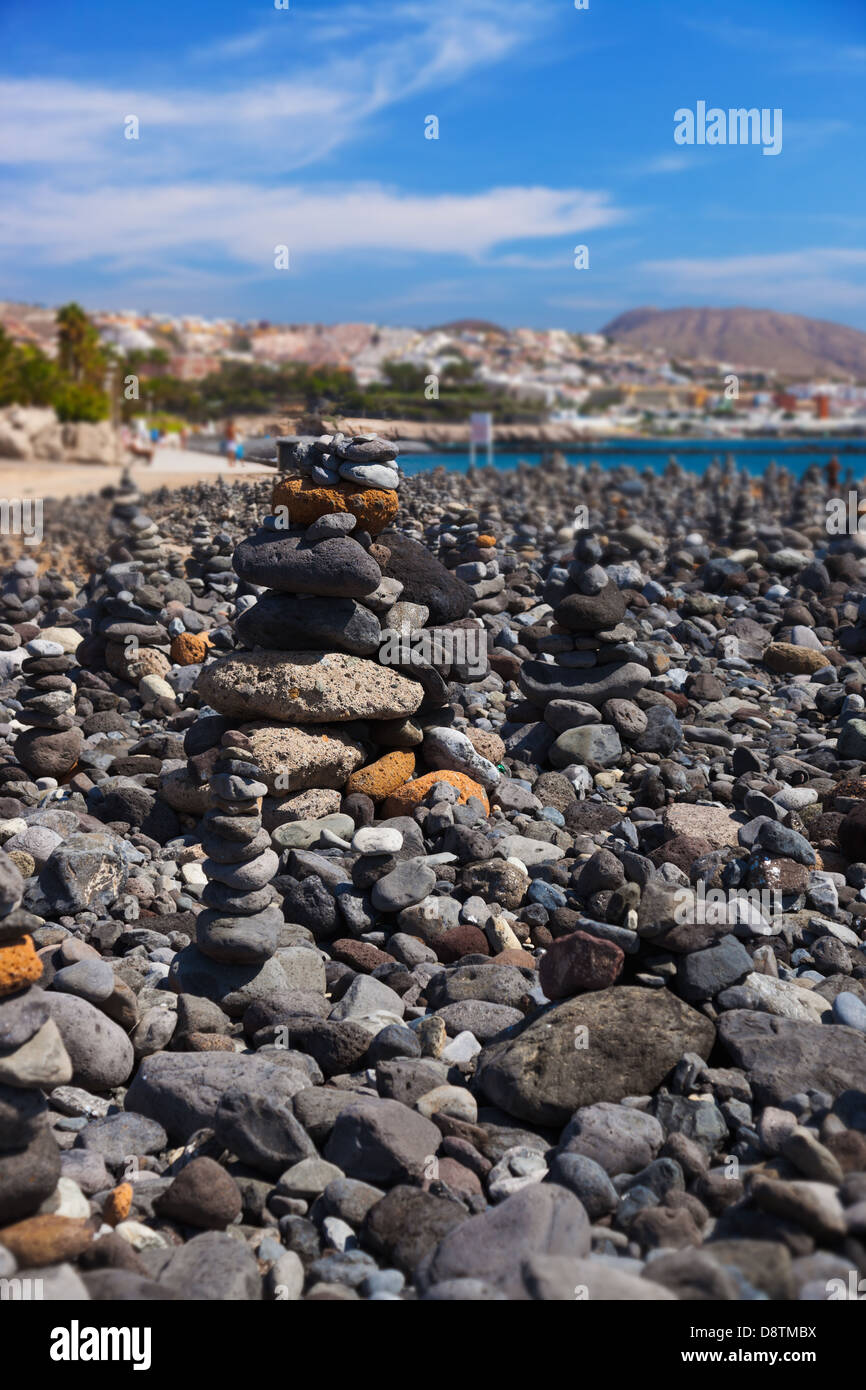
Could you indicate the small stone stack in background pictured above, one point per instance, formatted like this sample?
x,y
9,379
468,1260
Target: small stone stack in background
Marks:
x,y
32,1059
52,741
30,597
136,535
587,660
243,918
20,600
145,545
131,603
125,499
209,567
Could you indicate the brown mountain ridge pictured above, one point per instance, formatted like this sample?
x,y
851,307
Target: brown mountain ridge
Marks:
x,y
790,344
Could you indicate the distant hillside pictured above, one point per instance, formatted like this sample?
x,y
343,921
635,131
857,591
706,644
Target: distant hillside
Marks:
x,y
756,338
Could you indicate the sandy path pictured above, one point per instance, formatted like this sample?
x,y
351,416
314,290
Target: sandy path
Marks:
x,y
170,468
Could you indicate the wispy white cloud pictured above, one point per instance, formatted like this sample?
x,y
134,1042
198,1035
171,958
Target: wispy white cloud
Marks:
x,y
202,190
809,279
314,96
128,226
772,263
352,24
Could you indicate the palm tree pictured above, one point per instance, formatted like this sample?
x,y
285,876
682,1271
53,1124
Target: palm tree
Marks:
x,y
79,352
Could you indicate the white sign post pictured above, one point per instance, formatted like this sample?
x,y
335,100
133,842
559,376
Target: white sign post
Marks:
x,y
481,432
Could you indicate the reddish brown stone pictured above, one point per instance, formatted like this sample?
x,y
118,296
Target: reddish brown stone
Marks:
x,y
746,712
678,699
788,659
852,833
466,1154
849,1150
578,962
456,1176
512,955
823,829
851,788
361,955
488,744
381,554
778,875
203,1194
505,664
682,850
452,943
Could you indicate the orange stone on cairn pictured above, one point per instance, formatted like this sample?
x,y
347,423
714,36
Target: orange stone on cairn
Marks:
x,y
381,778
411,794
189,648
118,1204
374,508
19,965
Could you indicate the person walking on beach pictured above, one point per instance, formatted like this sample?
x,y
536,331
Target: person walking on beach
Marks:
x,y
231,443
832,471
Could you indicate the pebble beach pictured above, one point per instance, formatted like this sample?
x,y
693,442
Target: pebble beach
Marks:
x,y
522,962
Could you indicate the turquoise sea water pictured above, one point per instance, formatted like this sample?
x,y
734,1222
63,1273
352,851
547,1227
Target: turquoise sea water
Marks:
x,y
694,454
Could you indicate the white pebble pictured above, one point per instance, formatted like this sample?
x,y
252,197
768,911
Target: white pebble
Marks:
x,y
377,840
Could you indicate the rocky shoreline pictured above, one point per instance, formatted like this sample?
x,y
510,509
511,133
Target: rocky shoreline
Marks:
x,y
526,963
434,437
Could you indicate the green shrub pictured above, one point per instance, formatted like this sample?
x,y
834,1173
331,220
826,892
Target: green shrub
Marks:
x,y
85,404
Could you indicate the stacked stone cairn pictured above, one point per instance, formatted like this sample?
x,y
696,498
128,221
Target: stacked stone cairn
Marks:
x,y
21,599
33,598
126,608
243,919
292,729
146,547
33,1059
312,625
209,567
137,537
587,663
126,498
364,459
51,742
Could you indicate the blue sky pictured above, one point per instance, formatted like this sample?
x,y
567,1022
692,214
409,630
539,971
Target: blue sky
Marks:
x,y
304,127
